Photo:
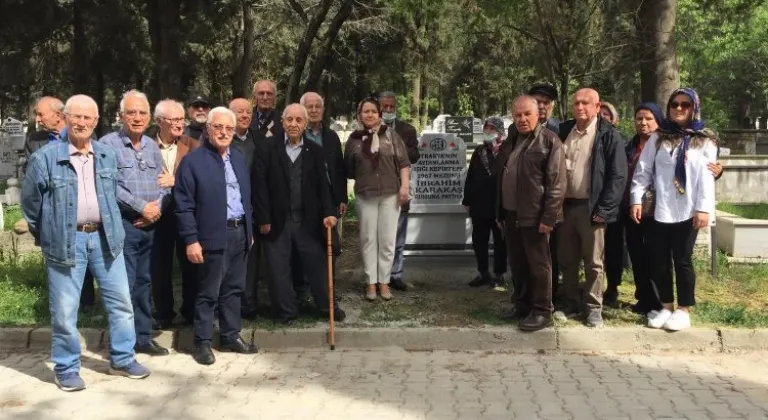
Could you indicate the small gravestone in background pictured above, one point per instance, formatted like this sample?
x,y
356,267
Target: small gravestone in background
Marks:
x,y
463,127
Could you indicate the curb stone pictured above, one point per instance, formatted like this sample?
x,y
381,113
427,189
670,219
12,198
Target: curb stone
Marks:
x,y
577,339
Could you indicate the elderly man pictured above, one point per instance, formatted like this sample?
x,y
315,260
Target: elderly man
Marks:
x,y
266,120
245,140
530,202
596,168
68,199
293,205
407,132
213,207
197,111
174,145
143,193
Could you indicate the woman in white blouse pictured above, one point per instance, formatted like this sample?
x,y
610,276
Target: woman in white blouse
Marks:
x,y
675,161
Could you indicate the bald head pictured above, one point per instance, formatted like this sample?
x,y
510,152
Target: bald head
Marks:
x,y
264,92
295,121
243,114
49,114
586,106
525,114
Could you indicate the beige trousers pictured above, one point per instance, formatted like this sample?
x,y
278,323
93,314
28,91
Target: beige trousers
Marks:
x,y
377,218
579,240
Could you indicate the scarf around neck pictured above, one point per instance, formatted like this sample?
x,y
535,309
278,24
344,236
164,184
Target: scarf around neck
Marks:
x,y
695,128
371,143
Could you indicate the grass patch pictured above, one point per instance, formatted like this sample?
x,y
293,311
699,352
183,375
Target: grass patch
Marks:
x,y
351,208
748,211
11,214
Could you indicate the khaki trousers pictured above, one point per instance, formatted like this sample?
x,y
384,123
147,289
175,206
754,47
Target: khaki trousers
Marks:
x,y
579,240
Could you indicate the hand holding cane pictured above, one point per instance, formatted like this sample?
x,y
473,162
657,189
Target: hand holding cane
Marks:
x,y
332,340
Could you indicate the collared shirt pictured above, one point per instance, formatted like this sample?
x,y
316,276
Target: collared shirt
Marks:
x,y
316,137
169,153
293,151
234,199
244,137
578,159
87,203
54,136
137,172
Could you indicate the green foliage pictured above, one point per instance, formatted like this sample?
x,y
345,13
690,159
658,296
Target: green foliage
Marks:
x,y
464,102
749,211
11,215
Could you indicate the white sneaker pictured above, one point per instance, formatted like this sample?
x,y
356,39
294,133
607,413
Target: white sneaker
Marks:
x,y
660,319
679,320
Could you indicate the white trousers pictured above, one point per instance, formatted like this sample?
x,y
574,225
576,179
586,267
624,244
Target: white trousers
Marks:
x,y
377,218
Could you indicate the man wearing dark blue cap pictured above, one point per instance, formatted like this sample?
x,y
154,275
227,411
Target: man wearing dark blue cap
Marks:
x,y
197,111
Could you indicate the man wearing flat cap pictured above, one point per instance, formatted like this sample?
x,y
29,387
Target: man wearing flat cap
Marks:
x,y
197,112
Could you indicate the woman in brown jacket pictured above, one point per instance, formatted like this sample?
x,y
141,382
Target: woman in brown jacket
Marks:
x,y
376,159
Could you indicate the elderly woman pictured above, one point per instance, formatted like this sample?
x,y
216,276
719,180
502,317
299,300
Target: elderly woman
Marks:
x,y
608,112
376,159
480,201
676,163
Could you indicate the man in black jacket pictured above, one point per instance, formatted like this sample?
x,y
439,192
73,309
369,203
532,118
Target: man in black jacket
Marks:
x,y
197,111
596,167
266,119
293,206
407,132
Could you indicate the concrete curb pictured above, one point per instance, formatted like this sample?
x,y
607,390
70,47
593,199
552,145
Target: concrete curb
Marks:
x,y
573,339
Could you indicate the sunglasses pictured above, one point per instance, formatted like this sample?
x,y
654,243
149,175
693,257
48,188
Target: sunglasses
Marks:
x,y
683,105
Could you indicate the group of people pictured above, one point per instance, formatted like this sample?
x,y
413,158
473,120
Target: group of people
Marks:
x,y
558,196
236,190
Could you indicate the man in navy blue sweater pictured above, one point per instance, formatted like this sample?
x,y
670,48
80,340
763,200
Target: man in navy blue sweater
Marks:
x,y
215,218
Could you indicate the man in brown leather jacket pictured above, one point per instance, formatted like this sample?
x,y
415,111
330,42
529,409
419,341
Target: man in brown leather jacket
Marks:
x,y
531,192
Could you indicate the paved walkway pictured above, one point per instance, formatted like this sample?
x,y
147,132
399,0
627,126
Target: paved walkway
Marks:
x,y
399,385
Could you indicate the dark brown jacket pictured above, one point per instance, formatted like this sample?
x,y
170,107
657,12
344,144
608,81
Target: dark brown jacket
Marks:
x,y
382,179
541,179
410,139
184,144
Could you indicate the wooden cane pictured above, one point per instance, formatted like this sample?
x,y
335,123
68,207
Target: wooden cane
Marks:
x,y
332,339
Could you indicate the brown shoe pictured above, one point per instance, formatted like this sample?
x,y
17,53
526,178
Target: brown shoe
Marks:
x,y
384,291
370,294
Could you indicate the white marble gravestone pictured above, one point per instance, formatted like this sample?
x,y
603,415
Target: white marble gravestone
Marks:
x,y
437,220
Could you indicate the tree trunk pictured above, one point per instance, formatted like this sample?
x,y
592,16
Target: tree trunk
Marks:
x,y
240,88
416,90
305,47
563,103
321,60
425,107
164,17
659,71
80,56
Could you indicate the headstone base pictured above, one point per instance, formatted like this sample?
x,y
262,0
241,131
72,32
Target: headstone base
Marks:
x,y
438,229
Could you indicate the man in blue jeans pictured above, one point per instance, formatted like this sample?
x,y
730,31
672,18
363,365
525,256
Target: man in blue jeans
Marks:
x,y
143,193
68,200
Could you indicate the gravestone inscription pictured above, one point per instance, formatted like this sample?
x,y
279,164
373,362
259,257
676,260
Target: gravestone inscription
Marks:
x,y
463,127
438,176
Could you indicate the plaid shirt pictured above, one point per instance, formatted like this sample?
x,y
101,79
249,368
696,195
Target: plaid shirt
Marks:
x,y
137,173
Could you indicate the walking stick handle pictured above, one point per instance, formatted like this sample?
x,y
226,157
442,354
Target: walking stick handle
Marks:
x,y
331,338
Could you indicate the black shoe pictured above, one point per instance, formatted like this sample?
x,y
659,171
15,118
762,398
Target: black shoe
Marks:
x,y
398,285
611,296
249,314
481,280
162,324
203,354
151,348
594,318
338,315
535,322
239,346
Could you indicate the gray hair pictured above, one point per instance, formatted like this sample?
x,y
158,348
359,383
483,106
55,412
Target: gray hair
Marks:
x,y
307,95
528,98
163,107
303,109
387,94
80,100
271,83
133,93
55,103
220,110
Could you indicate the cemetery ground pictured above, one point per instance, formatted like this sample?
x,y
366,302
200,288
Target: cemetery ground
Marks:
x,y
438,295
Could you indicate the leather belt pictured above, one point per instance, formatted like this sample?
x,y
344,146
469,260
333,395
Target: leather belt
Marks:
x,y
233,223
89,227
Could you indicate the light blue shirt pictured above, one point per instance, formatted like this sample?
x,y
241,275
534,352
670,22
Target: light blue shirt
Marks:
x,y
315,137
293,151
234,199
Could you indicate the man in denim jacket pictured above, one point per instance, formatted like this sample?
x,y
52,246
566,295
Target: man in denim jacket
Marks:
x,y
68,199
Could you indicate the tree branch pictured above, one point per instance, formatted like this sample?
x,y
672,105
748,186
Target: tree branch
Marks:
x,y
293,4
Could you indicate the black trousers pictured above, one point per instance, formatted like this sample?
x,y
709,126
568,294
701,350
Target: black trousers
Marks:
x,y
679,240
639,248
250,302
482,228
295,238
166,245
220,281
88,294
531,265
614,251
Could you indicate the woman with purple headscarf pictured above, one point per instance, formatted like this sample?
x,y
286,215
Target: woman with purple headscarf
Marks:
x,y
675,162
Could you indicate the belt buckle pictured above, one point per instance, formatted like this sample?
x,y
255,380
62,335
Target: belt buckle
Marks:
x,y
89,227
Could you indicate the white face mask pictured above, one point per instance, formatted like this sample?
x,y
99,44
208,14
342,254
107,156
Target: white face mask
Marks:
x,y
490,138
388,117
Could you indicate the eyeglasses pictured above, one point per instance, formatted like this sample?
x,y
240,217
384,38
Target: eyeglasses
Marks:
x,y
683,105
174,121
223,128
141,162
85,118
135,112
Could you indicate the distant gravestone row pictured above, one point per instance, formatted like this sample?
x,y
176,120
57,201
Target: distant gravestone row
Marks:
x,y
11,150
